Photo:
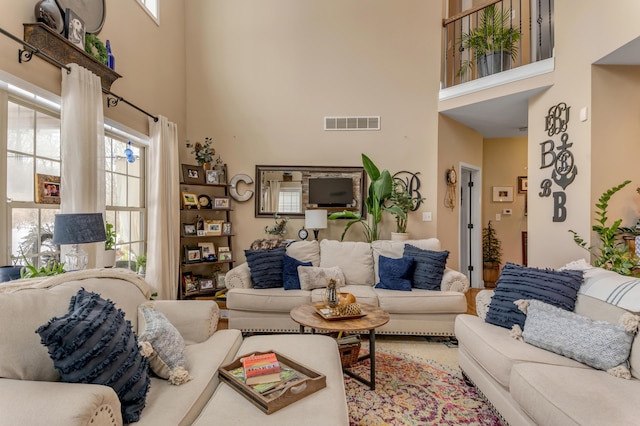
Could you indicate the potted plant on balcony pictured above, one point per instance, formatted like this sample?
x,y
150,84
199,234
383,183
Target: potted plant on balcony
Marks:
x,y
401,203
491,256
493,43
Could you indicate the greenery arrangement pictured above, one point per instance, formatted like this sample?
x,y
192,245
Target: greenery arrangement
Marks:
x,y
380,189
613,253
494,33
94,47
404,201
110,242
491,245
280,227
141,262
29,270
204,152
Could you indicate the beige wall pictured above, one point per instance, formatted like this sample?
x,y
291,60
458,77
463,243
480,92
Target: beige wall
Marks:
x,y
577,47
262,75
504,160
150,59
456,144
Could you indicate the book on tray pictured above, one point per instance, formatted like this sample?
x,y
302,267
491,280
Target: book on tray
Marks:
x,y
261,368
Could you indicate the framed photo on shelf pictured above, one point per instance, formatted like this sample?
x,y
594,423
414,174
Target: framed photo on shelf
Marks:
x,y
74,28
189,283
221,202
224,253
207,284
523,184
192,254
47,189
208,251
212,177
503,194
189,200
226,228
200,226
220,280
213,227
192,174
189,229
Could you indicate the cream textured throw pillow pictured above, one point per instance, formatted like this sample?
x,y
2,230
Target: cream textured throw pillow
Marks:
x,y
315,277
162,344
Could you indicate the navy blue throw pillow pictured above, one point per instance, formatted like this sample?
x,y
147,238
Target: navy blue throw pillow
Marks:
x,y
429,267
557,288
395,274
266,267
94,344
290,277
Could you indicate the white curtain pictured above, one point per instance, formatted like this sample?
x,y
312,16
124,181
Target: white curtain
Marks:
x,y
274,194
163,223
82,180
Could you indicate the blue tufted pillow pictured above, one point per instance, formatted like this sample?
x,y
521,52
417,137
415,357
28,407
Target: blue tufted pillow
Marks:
x,y
557,288
266,267
429,267
93,343
395,274
290,277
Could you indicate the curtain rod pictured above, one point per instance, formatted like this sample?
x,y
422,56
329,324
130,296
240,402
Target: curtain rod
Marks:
x,y
26,55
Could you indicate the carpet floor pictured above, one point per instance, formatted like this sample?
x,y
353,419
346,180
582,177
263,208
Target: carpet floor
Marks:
x,y
418,382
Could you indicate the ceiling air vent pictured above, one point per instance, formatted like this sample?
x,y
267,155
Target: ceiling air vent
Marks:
x,y
352,123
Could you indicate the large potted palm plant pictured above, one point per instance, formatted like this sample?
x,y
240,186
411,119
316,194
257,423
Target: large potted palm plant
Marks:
x,y
493,43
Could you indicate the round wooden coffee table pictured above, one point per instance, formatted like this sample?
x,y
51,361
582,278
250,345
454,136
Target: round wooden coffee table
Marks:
x,y
307,316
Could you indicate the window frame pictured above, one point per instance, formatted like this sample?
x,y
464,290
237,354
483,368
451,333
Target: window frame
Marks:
x,y
154,16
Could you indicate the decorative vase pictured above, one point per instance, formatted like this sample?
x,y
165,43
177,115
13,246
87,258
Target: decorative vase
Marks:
x,y
399,236
331,294
109,258
48,12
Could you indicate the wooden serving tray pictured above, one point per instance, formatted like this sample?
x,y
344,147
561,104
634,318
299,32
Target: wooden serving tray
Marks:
x,y
308,382
325,313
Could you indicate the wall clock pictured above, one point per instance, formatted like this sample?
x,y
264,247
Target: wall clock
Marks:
x,y
303,233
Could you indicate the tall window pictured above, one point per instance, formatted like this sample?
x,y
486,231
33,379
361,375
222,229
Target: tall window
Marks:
x,y
33,149
152,7
125,198
290,199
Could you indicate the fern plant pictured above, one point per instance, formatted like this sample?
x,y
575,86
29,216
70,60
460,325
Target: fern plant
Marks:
x,y
612,253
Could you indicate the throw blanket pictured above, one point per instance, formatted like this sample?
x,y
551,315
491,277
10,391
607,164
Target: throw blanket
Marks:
x,y
609,286
47,282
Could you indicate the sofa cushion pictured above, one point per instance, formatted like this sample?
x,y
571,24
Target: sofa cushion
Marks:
x,y
266,267
497,352
560,395
558,288
290,278
163,344
267,300
395,274
421,301
362,293
428,268
599,344
94,344
354,258
305,251
395,249
315,277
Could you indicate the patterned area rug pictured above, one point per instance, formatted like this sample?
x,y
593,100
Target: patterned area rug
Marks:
x,y
414,391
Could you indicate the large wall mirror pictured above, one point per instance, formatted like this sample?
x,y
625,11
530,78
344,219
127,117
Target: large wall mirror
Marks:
x,y
290,190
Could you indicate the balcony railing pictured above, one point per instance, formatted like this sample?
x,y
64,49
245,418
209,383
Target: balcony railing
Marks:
x,y
496,36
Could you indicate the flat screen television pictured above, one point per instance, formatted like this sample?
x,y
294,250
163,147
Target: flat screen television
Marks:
x,y
331,192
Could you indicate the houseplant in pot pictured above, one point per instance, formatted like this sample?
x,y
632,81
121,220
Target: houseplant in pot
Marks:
x,y
493,43
110,246
404,202
491,256
204,153
380,188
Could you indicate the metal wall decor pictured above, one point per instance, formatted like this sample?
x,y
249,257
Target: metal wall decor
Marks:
x,y
412,182
558,156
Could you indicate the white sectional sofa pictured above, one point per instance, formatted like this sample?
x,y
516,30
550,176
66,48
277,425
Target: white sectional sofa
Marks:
x,y
532,386
31,392
415,312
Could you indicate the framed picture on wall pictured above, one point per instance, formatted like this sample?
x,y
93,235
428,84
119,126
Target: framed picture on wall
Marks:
x,y
523,184
503,194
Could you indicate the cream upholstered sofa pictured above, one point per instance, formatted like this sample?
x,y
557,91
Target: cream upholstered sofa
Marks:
x,y
528,385
415,312
31,392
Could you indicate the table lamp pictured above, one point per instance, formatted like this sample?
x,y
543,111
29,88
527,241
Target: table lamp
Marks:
x,y
76,229
315,220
